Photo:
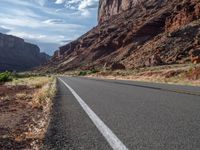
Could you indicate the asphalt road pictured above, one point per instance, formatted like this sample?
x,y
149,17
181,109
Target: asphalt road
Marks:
x,y
143,116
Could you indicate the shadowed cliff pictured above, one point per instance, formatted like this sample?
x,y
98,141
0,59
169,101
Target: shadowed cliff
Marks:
x,y
17,55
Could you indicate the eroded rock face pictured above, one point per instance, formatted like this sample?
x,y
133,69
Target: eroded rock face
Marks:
x,y
108,8
15,54
185,13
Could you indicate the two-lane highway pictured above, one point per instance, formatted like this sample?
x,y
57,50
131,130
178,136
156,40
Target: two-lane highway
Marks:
x,y
112,114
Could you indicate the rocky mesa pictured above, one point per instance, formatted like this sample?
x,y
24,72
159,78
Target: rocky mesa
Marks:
x,y
18,55
133,34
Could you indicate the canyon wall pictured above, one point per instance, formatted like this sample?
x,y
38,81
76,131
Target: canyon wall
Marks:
x,y
18,55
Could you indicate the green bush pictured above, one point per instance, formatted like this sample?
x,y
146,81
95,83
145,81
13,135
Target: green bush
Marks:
x,y
82,73
5,77
93,71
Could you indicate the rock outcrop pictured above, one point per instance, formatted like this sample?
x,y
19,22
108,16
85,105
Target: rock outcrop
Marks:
x,y
195,56
108,8
17,55
148,33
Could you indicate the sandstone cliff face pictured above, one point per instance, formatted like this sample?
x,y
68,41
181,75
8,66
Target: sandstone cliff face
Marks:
x,y
155,33
109,8
15,54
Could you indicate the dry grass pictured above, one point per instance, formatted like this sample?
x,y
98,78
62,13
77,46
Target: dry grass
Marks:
x,y
42,100
35,82
44,89
32,97
46,92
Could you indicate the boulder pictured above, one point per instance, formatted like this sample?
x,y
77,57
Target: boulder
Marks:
x,y
195,56
117,66
155,60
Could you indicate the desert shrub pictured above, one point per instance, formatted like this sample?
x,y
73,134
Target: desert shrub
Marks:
x,y
93,71
5,77
82,73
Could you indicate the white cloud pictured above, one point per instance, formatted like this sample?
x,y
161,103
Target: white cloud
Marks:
x,y
85,13
59,1
49,24
53,21
86,5
83,6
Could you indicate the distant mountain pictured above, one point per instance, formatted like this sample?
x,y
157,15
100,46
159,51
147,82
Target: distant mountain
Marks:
x,y
135,33
18,55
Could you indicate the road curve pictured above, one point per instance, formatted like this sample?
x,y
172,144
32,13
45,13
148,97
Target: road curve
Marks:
x,y
142,116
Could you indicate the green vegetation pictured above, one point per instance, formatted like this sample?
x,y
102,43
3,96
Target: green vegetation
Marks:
x,y
88,72
10,76
5,77
82,73
92,71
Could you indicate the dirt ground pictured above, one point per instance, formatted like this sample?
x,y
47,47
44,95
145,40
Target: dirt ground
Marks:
x,y
21,122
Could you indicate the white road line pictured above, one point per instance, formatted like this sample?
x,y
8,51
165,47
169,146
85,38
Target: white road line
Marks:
x,y
112,139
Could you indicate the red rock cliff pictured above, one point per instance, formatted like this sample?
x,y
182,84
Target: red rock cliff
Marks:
x,y
108,8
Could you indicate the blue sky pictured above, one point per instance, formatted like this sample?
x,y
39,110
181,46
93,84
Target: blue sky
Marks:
x,y
47,23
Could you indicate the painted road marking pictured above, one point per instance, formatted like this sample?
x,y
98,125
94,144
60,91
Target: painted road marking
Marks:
x,y
111,138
